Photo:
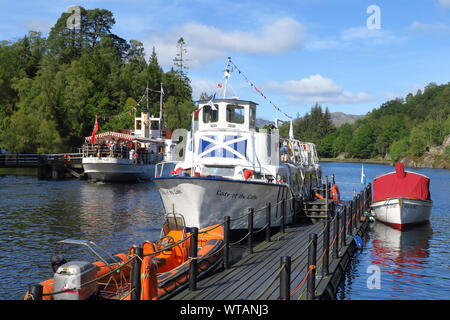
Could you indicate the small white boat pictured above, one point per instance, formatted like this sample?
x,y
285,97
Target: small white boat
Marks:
x,y
401,198
229,165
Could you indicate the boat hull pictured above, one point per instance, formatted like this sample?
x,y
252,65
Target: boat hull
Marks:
x,y
115,169
402,212
204,201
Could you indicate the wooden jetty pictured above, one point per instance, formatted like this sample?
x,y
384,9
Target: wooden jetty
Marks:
x,y
49,166
303,261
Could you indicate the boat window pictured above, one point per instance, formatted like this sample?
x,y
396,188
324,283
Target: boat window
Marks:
x,y
235,114
138,124
154,125
252,117
210,115
218,171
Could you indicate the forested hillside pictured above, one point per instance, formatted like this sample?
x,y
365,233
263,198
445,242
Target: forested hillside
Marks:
x,y
402,127
51,89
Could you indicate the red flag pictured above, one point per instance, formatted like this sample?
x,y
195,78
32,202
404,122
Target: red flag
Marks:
x,y
94,131
220,85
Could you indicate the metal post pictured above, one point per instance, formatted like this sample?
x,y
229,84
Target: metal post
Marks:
x,y
326,197
268,222
350,211
326,246
136,273
344,232
283,214
193,258
285,278
250,230
312,250
336,241
226,239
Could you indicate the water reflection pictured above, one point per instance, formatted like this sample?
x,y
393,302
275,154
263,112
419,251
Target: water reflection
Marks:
x,y
402,254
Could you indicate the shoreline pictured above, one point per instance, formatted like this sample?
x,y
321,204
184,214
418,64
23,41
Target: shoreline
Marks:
x,y
351,160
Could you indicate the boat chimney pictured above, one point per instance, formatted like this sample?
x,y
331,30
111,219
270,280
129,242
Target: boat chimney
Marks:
x,y
145,124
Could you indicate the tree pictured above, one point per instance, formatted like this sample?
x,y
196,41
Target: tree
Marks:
x,y
180,59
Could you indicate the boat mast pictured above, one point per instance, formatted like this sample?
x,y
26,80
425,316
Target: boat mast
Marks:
x,y
160,110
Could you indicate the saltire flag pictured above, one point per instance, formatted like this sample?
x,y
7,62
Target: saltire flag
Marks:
x,y
94,131
210,103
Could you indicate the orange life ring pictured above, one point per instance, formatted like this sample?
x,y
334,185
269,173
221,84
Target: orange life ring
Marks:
x,y
336,194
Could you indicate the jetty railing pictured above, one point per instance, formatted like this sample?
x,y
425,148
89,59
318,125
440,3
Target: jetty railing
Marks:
x,y
345,222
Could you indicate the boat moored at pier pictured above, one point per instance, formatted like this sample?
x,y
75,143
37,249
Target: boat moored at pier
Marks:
x,y
401,198
229,165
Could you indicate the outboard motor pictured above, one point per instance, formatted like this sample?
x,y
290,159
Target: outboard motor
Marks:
x,y
71,277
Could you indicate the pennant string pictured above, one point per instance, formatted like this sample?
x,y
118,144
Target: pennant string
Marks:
x,y
257,90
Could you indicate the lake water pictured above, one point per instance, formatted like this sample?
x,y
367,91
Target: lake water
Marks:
x,y
35,214
412,264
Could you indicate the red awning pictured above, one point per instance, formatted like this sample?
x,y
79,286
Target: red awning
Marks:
x,y
401,183
122,136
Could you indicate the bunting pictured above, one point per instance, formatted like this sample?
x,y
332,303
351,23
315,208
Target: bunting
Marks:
x,y
258,90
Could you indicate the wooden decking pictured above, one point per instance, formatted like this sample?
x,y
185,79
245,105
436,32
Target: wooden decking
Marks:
x,y
255,276
317,263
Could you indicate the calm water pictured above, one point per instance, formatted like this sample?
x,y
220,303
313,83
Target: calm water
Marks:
x,y
413,264
35,214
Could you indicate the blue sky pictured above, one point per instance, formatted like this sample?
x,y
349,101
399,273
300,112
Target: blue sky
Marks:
x,y
296,52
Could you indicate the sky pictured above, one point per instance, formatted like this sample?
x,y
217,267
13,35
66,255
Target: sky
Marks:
x,y
350,55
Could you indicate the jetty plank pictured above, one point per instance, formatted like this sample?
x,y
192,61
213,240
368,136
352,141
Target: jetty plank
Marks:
x,y
250,276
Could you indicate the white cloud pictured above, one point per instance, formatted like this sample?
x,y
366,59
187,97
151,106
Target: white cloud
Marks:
x,y
38,25
428,27
317,88
444,3
206,43
353,36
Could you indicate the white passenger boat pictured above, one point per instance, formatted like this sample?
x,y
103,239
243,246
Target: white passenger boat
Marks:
x,y
229,166
129,155
401,198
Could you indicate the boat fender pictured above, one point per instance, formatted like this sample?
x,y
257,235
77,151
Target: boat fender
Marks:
x,y
358,242
247,174
336,194
318,195
149,284
134,161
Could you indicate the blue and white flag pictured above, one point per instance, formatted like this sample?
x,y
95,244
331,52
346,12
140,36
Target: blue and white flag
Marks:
x,y
363,176
211,102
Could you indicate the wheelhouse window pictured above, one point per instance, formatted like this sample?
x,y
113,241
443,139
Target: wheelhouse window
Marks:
x,y
235,114
138,124
252,117
210,115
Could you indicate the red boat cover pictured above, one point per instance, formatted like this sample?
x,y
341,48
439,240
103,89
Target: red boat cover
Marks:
x,y
401,184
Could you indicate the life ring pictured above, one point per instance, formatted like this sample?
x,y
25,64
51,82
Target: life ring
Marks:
x,y
336,194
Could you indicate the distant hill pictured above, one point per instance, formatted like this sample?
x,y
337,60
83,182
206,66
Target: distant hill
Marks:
x,y
262,122
339,118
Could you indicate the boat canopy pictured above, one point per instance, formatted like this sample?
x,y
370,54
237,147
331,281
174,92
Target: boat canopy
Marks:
x,y
401,183
123,136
